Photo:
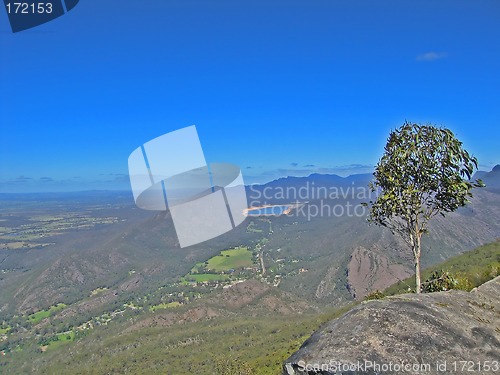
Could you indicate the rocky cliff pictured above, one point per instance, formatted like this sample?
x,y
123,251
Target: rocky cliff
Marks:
x,y
452,332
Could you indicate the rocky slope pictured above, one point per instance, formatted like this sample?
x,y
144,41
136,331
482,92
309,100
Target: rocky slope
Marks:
x,y
447,332
370,270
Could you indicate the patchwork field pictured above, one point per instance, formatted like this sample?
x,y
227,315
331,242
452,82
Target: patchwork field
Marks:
x,y
26,231
38,316
229,264
230,260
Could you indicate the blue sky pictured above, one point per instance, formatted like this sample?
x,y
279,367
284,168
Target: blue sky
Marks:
x,y
276,87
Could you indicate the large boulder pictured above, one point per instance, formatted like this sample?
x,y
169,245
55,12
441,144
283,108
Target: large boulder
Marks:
x,y
452,332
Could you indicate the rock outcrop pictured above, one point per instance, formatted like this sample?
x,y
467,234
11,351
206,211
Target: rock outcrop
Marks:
x,y
452,332
370,270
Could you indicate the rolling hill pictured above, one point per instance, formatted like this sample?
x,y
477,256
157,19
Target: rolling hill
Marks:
x,y
92,260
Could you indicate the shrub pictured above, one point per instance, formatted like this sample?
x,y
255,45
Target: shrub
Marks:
x,y
232,366
463,283
439,281
377,294
489,274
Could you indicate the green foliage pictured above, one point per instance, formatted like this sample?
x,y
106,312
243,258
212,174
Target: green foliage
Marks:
x,y
165,306
251,227
236,343
231,259
463,282
4,329
424,172
226,345
38,316
439,281
377,294
231,366
469,270
206,277
55,341
215,268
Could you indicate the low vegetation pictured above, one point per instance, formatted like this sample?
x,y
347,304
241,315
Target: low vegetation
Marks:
x,y
165,306
235,342
464,272
230,260
57,341
38,316
222,345
220,267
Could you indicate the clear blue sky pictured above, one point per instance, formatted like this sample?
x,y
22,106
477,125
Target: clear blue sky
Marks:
x,y
276,87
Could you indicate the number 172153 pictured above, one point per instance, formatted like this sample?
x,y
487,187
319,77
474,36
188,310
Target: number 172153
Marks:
x,y
29,8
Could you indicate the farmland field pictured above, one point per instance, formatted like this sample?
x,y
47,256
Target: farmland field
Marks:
x,y
38,316
231,259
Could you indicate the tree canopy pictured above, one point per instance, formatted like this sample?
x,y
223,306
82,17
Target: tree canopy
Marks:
x,y
423,172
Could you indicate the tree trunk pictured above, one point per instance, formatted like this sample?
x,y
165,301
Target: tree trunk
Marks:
x,y
416,253
417,275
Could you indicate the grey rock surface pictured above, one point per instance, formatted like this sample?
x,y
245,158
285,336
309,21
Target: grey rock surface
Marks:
x,y
452,332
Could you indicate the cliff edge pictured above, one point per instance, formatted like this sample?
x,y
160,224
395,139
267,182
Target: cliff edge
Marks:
x,y
452,332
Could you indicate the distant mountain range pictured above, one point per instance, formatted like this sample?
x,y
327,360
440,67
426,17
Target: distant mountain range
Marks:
x,y
98,257
329,257
281,190
348,255
313,187
491,179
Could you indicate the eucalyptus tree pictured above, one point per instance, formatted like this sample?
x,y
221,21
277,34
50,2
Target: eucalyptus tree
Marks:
x,y
423,172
